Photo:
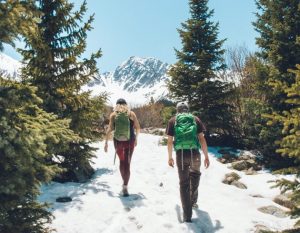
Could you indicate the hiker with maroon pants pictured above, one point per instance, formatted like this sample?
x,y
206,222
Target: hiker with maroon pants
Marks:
x,y
123,122
188,134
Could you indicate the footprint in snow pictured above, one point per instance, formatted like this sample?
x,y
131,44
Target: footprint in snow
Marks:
x,y
168,225
161,213
127,208
133,219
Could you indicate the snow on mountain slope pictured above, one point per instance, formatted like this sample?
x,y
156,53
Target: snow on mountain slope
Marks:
x,y
136,80
9,67
138,73
139,97
154,204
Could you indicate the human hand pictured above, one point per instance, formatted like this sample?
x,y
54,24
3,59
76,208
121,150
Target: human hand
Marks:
x,y
171,162
105,147
206,162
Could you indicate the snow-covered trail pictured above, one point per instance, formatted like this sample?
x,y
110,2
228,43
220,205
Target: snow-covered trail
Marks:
x,y
154,204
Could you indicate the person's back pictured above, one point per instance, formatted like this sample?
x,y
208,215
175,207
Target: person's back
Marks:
x,y
185,131
123,122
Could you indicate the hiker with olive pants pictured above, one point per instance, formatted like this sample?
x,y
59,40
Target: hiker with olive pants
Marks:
x,y
186,133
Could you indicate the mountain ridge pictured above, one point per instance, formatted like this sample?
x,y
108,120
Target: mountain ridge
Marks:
x,y
136,79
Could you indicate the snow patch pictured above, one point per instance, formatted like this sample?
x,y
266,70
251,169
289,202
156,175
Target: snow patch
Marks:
x,y
154,204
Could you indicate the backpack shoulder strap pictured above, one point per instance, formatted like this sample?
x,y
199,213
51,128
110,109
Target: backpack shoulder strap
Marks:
x,y
194,117
176,117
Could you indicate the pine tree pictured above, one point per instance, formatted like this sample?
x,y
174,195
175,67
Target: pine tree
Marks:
x,y
16,18
54,66
278,23
279,26
194,76
29,137
257,135
244,70
290,143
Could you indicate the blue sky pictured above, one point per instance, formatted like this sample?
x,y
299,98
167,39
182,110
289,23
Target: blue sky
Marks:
x,y
148,28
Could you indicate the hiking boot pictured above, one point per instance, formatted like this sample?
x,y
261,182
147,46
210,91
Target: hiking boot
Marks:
x,y
195,206
188,220
125,191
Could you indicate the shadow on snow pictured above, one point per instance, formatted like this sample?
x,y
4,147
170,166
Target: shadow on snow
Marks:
x,y
132,201
202,223
75,191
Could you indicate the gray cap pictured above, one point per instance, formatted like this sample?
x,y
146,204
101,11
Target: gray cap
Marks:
x,y
182,107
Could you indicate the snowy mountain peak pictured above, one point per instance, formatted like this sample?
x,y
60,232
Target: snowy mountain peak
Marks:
x,y
138,72
9,67
136,79
141,61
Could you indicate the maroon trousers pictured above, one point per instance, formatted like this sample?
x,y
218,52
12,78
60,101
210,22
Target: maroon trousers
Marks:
x,y
124,151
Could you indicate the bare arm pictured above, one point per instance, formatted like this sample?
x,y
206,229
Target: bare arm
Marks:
x,y
136,125
108,131
203,143
170,150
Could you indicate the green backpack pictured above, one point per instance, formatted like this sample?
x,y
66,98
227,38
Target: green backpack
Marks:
x,y
122,126
186,132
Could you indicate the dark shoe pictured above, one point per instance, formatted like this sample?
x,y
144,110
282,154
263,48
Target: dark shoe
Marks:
x,y
125,191
188,220
125,194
